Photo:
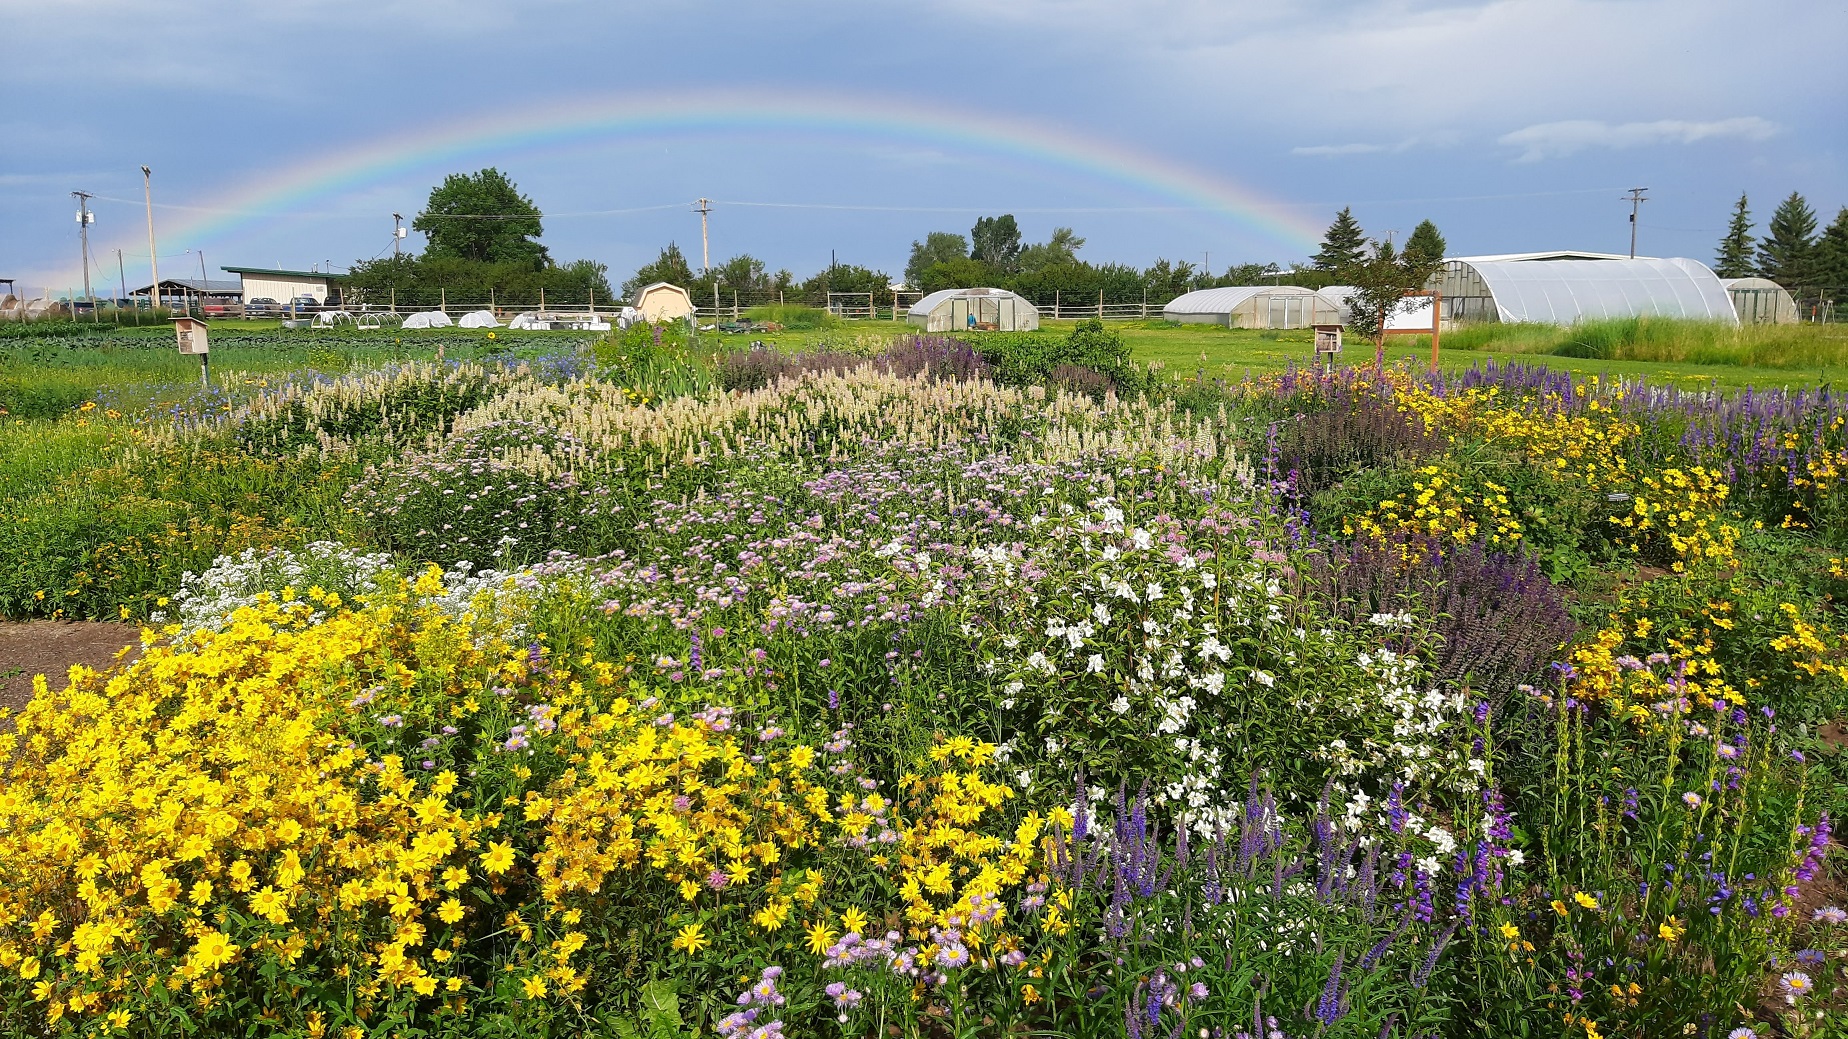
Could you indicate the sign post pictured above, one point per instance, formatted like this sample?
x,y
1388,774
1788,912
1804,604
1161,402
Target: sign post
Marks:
x,y
1437,319
1327,344
191,334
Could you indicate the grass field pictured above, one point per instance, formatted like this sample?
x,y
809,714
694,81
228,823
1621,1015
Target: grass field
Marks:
x,y
1666,352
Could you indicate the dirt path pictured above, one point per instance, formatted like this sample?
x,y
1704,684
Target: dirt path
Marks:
x,y
49,648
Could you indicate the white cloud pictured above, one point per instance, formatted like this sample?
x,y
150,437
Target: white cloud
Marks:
x,y
1355,148
1360,147
1552,140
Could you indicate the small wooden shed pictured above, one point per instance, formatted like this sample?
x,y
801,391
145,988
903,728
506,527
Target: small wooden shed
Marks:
x,y
661,302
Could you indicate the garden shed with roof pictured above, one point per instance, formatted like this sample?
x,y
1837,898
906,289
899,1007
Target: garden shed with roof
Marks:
x,y
987,310
1566,288
1761,301
1252,306
661,302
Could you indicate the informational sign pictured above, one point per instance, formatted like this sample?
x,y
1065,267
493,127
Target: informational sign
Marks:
x,y
191,334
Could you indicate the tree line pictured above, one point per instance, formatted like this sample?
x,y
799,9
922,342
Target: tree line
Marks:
x,y
1791,252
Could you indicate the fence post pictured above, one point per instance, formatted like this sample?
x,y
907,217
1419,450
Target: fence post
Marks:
x,y
1055,304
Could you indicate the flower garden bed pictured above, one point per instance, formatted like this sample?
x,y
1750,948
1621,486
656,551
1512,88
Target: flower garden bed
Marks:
x,y
869,700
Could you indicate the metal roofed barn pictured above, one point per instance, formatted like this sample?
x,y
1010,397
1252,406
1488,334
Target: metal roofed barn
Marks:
x,y
1252,306
1566,288
1761,301
959,310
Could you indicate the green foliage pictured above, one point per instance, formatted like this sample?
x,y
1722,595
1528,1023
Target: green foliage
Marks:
x,y
1425,247
426,281
995,241
1786,253
671,267
1026,358
1059,250
937,247
1344,244
848,278
482,217
956,273
794,316
1831,261
1734,259
1380,283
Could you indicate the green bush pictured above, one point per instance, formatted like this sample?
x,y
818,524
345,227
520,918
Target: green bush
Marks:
x,y
794,316
1030,358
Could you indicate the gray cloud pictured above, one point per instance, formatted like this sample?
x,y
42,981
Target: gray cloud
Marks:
x,y
1566,136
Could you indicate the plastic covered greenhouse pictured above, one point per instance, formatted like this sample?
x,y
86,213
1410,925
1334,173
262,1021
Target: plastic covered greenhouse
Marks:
x,y
957,310
1252,306
1567,291
1761,301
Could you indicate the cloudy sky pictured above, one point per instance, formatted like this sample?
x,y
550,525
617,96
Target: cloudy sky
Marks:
x,y
287,134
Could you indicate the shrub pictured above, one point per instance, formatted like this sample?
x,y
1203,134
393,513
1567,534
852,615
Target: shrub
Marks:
x,y
1028,358
794,316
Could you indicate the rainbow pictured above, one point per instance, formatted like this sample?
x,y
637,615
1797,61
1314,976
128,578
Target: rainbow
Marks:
x,y
641,117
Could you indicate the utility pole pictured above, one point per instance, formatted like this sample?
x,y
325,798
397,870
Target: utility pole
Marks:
x,y
122,273
397,235
147,189
1636,198
84,219
703,207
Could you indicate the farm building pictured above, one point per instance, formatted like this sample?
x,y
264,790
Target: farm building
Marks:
x,y
660,303
1761,301
180,292
1566,288
990,310
1252,306
283,286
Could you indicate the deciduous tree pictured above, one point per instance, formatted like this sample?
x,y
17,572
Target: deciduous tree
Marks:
x,y
937,247
995,241
482,217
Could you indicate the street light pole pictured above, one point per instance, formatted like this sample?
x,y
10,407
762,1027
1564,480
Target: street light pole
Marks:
x,y
147,189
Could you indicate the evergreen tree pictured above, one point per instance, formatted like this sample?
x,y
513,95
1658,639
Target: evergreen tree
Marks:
x,y
1426,245
1344,244
482,217
1831,267
1735,256
670,267
1786,252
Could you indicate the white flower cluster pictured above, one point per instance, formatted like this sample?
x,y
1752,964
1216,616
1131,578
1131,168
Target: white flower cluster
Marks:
x,y
205,601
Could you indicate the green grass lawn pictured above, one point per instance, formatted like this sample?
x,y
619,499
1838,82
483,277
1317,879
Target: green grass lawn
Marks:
x,y
1231,353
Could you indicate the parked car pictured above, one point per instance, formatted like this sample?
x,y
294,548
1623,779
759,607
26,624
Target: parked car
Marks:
x,y
304,305
262,306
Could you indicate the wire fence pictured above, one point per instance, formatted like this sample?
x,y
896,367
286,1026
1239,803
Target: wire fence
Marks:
x,y
1825,306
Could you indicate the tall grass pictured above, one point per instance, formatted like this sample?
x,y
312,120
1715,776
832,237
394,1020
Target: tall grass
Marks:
x,y
794,316
1672,340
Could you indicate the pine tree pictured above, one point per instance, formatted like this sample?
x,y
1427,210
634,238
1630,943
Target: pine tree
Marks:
x,y
1344,244
1426,245
1831,265
1786,253
1735,256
